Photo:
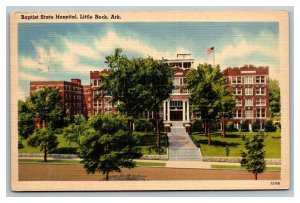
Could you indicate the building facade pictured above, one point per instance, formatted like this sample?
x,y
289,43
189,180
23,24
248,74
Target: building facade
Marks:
x,y
177,107
251,90
102,101
250,86
73,93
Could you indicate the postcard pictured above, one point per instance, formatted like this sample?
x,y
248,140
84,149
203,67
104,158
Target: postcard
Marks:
x,y
149,100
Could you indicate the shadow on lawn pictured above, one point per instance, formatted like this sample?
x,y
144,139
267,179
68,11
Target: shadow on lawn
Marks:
x,y
125,177
65,150
218,143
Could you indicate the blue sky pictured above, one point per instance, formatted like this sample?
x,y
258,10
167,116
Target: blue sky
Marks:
x,y
61,51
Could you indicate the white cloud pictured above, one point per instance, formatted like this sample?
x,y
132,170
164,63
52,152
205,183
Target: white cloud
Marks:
x,y
111,41
33,64
244,48
29,77
21,95
81,50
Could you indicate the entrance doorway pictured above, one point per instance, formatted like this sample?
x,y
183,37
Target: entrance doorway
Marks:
x,y
176,115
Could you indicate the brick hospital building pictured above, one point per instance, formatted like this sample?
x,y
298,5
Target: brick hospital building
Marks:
x,y
250,85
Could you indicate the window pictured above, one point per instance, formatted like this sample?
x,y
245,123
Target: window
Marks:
x,y
249,113
95,83
248,102
176,104
261,113
238,91
108,103
238,114
248,91
260,91
236,80
248,80
176,81
89,98
239,102
260,79
260,102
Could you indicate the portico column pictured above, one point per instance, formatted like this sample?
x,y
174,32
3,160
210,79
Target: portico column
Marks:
x,y
164,110
168,109
183,110
188,110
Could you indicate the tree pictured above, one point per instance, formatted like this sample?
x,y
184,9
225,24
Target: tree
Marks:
x,y
76,129
226,101
137,83
269,126
107,145
44,138
274,96
255,125
206,87
25,119
253,160
46,105
230,127
244,125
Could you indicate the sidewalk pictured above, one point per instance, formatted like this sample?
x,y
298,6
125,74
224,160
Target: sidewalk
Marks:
x,y
169,163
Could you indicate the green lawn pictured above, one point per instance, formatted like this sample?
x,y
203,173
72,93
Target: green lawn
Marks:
x,y
138,163
268,168
64,147
148,143
234,141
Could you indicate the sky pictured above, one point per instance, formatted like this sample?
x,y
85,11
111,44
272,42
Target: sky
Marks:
x,y
61,51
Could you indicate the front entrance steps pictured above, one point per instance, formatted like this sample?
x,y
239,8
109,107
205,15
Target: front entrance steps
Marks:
x,y
181,147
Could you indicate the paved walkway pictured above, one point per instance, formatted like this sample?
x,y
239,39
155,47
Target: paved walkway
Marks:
x,y
181,147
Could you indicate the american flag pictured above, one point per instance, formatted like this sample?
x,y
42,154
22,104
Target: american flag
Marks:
x,y
210,50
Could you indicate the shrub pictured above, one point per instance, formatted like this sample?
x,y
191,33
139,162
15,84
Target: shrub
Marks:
x,y
269,126
20,144
143,125
255,125
244,126
230,127
196,125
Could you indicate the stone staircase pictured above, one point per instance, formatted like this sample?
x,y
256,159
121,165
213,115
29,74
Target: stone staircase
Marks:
x,y
181,147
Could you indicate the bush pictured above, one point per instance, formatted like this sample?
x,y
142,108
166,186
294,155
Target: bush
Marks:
x,y
255,125
196,126
143,125
269,126
20,144
244,126
230,127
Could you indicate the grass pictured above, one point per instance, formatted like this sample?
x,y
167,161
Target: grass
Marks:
x,y
139,164
49,161
64,147
268,168
150,164
234,141
147,142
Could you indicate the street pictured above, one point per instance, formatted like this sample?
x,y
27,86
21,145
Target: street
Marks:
x,y
70,172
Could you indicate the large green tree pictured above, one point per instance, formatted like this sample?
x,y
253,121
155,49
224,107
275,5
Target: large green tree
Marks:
x,y
46,105
225,101
25,119
44,138
253,159
208,95
106,145
140,84
274,96
74,130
